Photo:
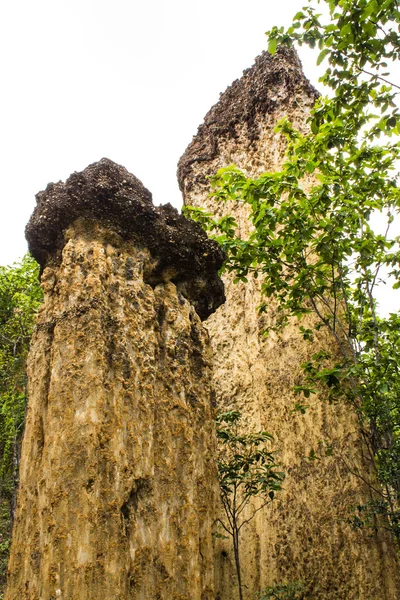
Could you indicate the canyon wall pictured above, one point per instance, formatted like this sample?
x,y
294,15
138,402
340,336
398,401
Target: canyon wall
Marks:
x,y
118,479
304,534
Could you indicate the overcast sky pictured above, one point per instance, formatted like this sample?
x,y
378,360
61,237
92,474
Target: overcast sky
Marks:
x,y
127,79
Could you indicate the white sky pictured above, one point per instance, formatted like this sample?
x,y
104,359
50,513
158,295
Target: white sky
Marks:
x,y
127,79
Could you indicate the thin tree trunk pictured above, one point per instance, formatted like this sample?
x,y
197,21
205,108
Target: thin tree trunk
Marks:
x,y
237,561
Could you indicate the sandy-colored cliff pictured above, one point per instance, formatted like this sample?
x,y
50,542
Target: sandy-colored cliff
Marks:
x,y
303,535
118,475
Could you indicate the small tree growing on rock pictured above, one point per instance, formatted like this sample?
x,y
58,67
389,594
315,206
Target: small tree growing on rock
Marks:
x,y
247,472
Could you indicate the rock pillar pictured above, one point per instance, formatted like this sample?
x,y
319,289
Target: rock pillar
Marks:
x,y
118,478
304,534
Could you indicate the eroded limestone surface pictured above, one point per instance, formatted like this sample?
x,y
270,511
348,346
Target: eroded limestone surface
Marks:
x,y
304,534
118,475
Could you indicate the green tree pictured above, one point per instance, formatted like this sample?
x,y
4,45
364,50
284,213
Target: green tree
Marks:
x,y
20,296
247,472
315,246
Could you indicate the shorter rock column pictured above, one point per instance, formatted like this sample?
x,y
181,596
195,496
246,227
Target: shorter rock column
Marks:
x,y
118,481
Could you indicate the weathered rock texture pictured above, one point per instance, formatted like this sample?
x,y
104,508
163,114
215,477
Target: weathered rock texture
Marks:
x,y
118,476
303,535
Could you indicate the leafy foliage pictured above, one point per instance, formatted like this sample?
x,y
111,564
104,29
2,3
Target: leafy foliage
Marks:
x,y
5,542
247,471
368,516
20,296
283,591
313,241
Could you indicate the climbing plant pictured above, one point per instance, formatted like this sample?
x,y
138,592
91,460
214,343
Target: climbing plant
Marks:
x,y
248,478
315,243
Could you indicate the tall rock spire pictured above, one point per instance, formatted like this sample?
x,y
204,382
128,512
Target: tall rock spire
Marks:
x,y
243,120
304,534
118,477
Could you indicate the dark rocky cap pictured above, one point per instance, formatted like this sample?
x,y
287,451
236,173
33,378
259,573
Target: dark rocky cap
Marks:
x,y
272,82
109,194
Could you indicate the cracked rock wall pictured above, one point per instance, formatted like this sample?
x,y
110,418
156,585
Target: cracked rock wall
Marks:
x,y
118,475
303,534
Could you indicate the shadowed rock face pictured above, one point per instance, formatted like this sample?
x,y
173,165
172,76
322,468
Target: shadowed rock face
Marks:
x,y
109,195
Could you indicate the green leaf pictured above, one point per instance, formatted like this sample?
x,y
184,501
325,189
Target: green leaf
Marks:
x,y
272,44
322,55
345,30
